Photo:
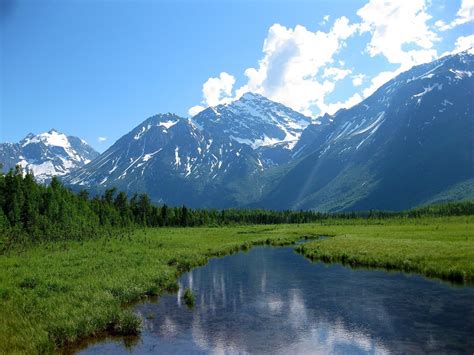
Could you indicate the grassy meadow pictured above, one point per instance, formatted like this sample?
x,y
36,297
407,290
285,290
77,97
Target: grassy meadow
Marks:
x,y
57,293
434,247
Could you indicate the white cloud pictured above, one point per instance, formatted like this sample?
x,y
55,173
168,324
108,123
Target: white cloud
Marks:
x,y
440,24
218,90
334,107
379,80
358,79
463,43
299,67
394,24
336,73
101,139
215,91
293,59
195,110
292,68
464,15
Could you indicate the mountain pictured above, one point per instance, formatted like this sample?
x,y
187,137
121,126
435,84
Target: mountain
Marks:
x,y
47,154
254,120
409,143
216,159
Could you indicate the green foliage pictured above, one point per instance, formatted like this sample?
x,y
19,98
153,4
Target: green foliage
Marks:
x,y
58,292
188,297
32,213
55,293
435,247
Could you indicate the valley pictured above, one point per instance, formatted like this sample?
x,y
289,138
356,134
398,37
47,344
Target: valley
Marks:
x,y
57,293
237,177
408,144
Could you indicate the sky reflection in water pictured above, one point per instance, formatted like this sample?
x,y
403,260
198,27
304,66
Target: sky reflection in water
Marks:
x,y
271,300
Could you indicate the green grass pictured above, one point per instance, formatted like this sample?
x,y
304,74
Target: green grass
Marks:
x,y
188,298
58,293
434,247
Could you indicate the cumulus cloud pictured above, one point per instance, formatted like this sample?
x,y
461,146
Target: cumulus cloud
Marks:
x,y
334,107
464,15
463,43
293,58
215,91
300,67
394,24
195,110
218,90
378,80
101,139
293,69
336,73
358,79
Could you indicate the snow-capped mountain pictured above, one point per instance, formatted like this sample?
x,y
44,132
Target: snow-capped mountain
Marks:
x,y
254,120
409,143
47,154
206,160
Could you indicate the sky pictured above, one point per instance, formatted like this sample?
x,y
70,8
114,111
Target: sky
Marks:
x,y
97,68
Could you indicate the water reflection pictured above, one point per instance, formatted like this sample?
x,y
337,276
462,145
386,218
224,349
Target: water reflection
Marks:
x,y
271,300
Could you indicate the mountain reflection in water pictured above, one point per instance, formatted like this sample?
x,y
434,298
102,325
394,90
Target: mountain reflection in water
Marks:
x,y
272,300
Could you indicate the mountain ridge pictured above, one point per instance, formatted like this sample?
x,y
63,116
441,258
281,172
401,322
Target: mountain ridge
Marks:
x,y
370,156
254,152
47,154
214,158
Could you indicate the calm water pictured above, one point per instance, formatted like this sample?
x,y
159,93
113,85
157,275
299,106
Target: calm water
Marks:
x,y
272,300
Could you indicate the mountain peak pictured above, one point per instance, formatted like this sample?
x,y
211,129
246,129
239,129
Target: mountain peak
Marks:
x,y
254,120
253,96
47,154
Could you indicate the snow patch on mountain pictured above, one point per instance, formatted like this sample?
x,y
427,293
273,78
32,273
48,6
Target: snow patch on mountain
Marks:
x,y
47,154
255,121
167,124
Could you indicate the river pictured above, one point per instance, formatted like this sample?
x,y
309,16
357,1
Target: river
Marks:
x,y
272,300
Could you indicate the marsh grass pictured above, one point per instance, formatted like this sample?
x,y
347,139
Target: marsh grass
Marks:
x,y
188,298
434,247
55,294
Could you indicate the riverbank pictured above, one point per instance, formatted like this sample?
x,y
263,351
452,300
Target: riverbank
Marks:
x,y
434,247
57,293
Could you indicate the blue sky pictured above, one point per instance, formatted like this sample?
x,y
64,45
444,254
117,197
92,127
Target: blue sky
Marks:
x,y
98,68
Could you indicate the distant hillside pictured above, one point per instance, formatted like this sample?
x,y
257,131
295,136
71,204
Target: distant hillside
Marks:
x,y
47,154
408,144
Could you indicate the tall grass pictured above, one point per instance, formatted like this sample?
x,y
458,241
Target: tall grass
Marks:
x,y
57,293
434,247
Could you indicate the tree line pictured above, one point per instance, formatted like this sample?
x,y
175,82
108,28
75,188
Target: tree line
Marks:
x,y
34,212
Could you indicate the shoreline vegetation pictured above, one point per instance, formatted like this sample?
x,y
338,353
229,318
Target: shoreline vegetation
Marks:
x,y
31,213
440,247
71,264
58,293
